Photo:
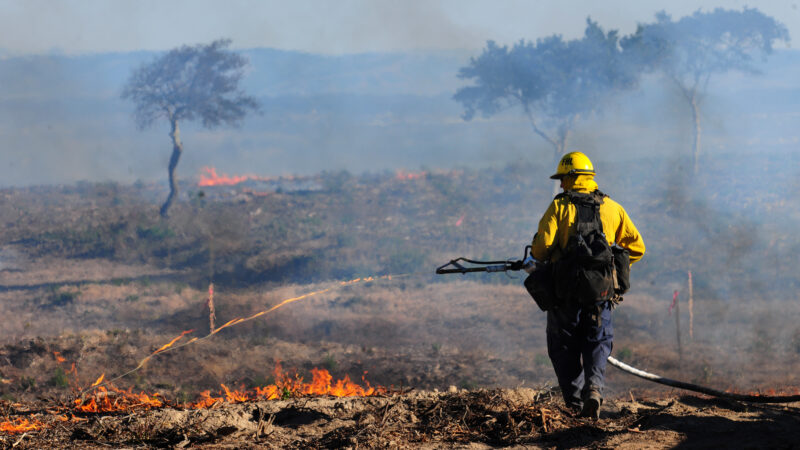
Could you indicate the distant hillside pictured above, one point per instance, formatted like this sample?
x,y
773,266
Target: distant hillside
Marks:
x,y
61,119
272,73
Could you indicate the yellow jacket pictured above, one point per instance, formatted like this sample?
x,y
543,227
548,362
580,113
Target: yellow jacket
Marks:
x,y
558,224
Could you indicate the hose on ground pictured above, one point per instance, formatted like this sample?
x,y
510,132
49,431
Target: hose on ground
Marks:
x,y
702,389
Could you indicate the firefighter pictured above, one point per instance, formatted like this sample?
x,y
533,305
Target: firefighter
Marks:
x,y
579,339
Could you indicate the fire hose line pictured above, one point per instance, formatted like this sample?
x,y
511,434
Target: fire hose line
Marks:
x,y
702,389
528,263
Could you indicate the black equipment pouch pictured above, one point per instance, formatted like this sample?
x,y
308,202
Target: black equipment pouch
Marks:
x,y
540,285
622,269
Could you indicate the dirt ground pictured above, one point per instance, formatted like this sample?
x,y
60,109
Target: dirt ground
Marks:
x,y
515,418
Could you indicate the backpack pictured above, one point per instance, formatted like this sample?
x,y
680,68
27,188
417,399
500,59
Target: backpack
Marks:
x,y
590,271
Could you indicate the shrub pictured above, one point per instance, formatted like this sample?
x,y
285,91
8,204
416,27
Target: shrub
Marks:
x,y
541,360
154,233
625,354
59,378
61,298
27,383
468,384
330,363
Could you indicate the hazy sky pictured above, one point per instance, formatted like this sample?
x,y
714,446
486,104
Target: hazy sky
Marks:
x,y
332,26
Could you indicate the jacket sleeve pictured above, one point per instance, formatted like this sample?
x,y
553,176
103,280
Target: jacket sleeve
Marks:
x,y
545,238
628,237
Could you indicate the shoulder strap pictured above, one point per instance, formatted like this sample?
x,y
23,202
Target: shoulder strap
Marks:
x,y
587,210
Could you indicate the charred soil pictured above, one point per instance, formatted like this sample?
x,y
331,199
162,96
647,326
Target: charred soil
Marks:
x,y
455,419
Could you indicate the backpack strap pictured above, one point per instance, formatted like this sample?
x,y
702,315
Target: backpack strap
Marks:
x,y
588,210
597,193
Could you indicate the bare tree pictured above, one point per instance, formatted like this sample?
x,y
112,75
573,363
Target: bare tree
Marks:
x,y
198,82
690,50
555,82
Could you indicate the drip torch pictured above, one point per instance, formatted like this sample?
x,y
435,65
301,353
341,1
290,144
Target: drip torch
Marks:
x,y
463,265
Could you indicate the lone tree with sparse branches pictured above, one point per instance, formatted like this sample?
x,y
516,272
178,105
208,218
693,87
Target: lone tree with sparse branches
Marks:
x,y
690,50
198,82
555,82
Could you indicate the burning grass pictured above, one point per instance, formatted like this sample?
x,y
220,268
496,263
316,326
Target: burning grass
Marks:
x,y
20,425
291,386
288,384
111,400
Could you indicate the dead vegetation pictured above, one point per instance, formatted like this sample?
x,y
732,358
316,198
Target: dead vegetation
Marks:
x,y
455,419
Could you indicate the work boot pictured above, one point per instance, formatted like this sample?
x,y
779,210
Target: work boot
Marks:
x,y
591,404
575,407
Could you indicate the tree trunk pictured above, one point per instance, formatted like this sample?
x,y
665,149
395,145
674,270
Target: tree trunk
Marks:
x,y
696,143
560,149
177,149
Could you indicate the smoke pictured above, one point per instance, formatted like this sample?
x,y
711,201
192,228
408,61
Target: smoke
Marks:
x,y
61,121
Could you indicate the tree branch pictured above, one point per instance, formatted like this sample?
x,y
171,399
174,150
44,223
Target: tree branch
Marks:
x,y
536,128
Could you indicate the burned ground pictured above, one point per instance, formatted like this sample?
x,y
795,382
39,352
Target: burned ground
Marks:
x,y
455,419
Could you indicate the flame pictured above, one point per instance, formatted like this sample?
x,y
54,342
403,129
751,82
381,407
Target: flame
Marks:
x,y
403,175
294,299
99,380
110,399
171,343
20,426
674,301
286,385
58,357
210,178
115,400
292,385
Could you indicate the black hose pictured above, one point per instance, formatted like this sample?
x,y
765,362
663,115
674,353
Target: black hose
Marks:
x,y
703,390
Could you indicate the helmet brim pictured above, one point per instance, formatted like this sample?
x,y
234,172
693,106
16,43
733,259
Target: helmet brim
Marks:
x,y
558,176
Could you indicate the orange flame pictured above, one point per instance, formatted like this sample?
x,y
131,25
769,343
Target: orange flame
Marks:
x,y
20,426
99,380
212,179
403,175
58,357
114,400
171,343
287,385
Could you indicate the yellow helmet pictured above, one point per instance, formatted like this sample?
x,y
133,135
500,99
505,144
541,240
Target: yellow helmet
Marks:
x,y
573,163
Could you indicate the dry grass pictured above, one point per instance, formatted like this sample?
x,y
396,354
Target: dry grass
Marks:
x,y
406,331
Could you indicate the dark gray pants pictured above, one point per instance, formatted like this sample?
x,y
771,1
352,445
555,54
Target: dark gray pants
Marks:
x,y
574,336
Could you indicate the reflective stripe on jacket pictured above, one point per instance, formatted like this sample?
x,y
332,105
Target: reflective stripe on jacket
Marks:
x,y
558,224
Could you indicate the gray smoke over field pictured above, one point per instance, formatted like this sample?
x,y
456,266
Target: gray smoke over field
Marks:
x,y
62,121
350,121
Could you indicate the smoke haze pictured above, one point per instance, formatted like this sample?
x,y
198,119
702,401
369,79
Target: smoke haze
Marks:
x,y
362,106
62,120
